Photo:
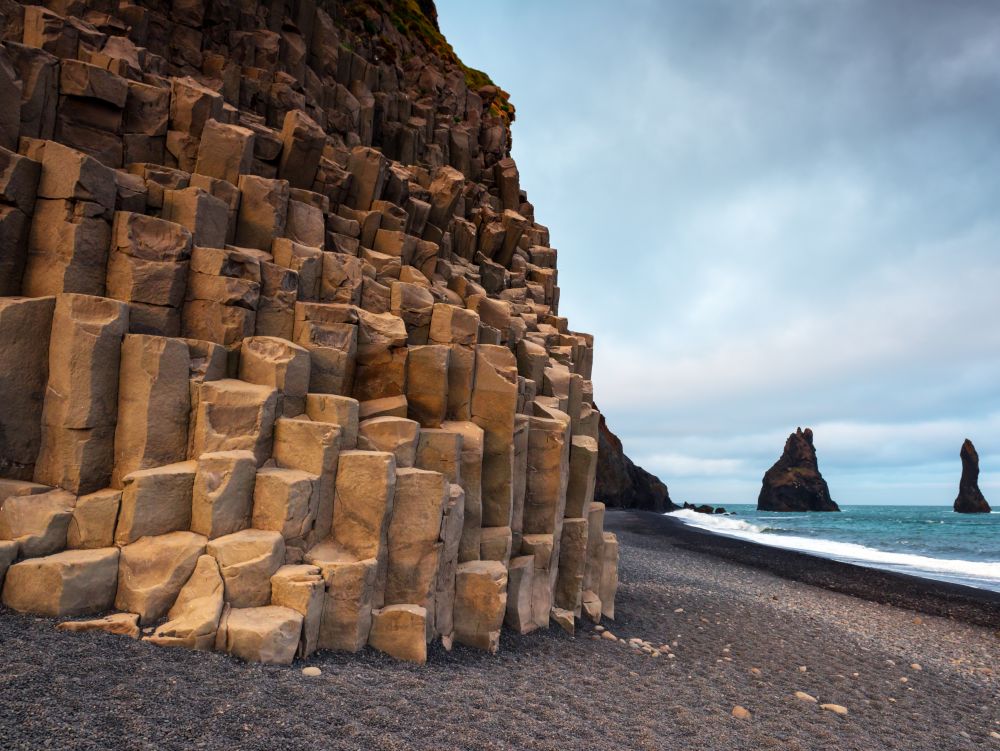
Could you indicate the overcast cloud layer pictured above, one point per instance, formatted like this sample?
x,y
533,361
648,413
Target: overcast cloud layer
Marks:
x,y
770,213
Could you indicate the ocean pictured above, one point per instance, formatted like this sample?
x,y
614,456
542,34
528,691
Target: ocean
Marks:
x,y
928,541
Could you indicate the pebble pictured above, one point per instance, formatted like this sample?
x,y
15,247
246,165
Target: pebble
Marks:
x,y
599,629
915,666
904,680
995,734
678,610
755,671
741,713
802,668
835,708
311,671
918,621
609,636
803,696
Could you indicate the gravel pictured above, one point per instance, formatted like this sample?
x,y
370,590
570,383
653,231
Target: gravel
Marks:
x,y
545,690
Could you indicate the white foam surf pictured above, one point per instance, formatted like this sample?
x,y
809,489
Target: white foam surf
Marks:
x,y
982,574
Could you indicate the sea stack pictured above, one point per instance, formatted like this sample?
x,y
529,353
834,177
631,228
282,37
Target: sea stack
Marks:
x,y
794,482
970,498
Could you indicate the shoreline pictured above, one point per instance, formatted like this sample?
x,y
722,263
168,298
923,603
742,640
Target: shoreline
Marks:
x,y
978,607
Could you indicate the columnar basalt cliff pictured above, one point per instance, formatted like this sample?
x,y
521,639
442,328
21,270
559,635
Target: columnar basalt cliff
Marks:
x,y
794,482
283,366
970,498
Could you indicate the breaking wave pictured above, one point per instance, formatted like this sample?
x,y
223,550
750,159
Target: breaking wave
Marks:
x,y
981,574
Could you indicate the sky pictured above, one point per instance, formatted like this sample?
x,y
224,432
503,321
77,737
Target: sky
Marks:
x,y
770,214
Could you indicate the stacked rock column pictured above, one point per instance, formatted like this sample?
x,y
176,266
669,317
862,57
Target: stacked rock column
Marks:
x,y
283,364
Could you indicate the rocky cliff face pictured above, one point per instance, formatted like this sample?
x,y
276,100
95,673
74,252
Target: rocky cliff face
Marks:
x,y
283,365
970,498
620,483
794,482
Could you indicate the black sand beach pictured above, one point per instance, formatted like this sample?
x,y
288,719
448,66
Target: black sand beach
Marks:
x,y
741,634
976,606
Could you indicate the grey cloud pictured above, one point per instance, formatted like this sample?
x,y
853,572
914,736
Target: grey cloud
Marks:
x,y
769,213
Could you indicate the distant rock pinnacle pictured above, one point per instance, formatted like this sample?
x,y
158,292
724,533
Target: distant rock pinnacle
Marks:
x,y
970,498
794,482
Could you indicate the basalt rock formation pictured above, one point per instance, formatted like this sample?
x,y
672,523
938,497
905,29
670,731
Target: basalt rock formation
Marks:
x,y
794,482
970,498
283,366
620,483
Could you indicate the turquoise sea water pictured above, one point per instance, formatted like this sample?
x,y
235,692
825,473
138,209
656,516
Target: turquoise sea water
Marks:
x,y
930,541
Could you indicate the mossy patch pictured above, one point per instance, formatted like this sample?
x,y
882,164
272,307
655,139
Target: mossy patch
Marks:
x,y
409,19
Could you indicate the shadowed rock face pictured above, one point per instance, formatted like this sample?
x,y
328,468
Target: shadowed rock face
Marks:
x,y
970,498
620,483
794,482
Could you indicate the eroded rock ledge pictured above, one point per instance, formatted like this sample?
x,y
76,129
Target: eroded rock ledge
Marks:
x,y
283,365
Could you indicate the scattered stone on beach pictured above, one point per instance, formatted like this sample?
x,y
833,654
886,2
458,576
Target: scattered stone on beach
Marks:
x,y
835,708
915,666
678,610
311,671
904,679
564,619
755,671
794,482
120,624
970,498
803,668
741,713
803,696
609,636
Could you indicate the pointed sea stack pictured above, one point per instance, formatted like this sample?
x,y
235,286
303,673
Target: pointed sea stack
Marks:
x,y
970,498
794,482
